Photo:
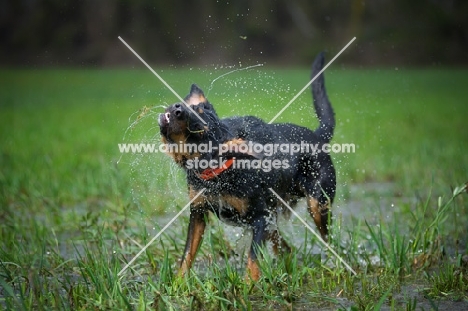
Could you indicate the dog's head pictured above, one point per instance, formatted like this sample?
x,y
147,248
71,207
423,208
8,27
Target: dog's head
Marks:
x,y
192,122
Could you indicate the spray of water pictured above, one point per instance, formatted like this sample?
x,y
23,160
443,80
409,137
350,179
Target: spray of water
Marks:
x,y
230,72
156,182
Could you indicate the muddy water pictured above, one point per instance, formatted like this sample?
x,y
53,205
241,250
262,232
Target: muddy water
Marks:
x,y
374,202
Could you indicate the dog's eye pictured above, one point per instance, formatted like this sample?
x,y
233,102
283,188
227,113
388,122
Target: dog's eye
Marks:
x,y
206,106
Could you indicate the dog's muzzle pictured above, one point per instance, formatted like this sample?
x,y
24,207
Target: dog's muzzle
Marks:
x,y
175,111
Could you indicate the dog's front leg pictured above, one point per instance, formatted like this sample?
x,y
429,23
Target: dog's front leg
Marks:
x,y
194,237
258,240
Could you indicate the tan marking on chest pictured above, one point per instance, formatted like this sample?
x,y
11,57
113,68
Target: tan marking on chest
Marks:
x,y
178,151
241,205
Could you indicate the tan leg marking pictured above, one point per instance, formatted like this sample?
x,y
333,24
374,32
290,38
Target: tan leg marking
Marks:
x,y
316,210
253,270
193,242
278,242
195,231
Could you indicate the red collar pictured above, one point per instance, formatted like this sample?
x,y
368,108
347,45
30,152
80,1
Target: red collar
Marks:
x,y
211,173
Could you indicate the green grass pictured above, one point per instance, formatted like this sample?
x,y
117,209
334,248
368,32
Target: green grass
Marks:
x,y
74,210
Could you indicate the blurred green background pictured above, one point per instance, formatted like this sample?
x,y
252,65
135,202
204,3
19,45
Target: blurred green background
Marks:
x,y
183,32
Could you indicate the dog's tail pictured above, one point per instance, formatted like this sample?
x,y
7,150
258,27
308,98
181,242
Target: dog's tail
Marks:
x,y
322,105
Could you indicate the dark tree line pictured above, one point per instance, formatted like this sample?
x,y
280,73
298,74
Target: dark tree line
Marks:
x,y
55,32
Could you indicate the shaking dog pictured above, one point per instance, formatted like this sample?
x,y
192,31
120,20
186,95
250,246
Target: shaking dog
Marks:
x,y
236,174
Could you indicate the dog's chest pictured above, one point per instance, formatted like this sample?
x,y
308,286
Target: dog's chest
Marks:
x,y
231,209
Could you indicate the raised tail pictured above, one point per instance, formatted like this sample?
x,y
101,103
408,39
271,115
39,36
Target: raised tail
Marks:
x,y
322,105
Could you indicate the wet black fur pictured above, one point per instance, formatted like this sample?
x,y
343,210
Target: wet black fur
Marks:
x,y
311,174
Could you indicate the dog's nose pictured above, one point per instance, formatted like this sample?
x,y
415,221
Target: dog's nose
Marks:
x,y
177,110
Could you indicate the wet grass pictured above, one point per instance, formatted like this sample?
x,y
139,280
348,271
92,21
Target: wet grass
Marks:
x,y
74,210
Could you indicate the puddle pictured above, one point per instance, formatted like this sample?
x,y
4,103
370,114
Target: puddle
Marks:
x,y
414,292
374,202
371,201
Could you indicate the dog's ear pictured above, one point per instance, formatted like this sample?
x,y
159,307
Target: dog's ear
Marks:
x,y
194,89
196,96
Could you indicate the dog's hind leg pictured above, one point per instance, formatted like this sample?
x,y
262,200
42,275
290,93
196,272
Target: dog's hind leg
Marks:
x,y
320,213
320,194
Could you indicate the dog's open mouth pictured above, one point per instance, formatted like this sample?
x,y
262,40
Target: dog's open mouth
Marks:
x,y
164,119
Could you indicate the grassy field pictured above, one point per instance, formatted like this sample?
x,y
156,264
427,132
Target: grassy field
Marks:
x,y
74,210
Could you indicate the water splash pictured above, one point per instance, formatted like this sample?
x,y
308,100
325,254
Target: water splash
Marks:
x,y
143,113
156,182
230,72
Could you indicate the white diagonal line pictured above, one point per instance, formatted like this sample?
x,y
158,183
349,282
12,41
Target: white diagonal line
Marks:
x,y
161,79
315,233
159,233
310,82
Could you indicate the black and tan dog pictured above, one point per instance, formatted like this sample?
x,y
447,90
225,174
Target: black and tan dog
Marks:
x,y
241,195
